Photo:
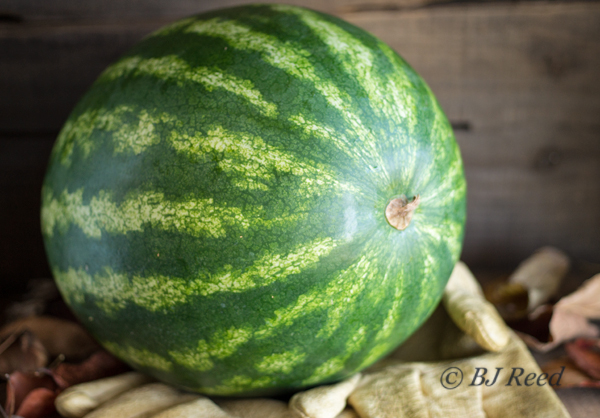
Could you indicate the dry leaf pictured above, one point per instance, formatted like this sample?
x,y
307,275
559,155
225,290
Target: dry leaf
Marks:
x,y
536,325
585,301
35,301
56,335
511,299
585,353
22,388
21,351
566,325
547,327
572,377
99,365
541,274
37,404
20,384
543,335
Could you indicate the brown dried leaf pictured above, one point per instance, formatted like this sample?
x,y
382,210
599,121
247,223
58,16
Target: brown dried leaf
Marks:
x,y
547,327
585,353
39,403
585,301
569,319
572,377
510,299
536,324
56,335
20,384
541,274
22,351
35,301
99,365
23,388
566,325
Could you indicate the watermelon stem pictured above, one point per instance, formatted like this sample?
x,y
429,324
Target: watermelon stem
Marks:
x,y
399,211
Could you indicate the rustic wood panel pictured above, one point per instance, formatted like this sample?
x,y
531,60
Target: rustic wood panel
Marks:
x,y
519,82
580,402
25,10
45,68
22,167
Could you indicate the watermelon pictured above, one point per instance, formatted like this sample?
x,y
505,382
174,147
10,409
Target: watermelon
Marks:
x,y
254,200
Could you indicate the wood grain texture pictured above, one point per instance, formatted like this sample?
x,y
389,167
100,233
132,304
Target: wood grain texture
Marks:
x,y
518,80
22,168
45,68
119,10
580,402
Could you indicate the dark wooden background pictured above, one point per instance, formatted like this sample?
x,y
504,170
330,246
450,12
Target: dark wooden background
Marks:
x,y
520,81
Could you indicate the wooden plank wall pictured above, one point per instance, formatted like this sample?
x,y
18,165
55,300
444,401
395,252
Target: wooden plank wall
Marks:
x,y
519,81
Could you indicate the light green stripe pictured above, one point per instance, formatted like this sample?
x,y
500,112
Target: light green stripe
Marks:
x,y
237,384
113,291
443,153
142,358
447,233
326,134
392,318
172,68
129,137
280,362
222,344
340,292
387,96
253,162
197,217
338,312
429,287
294,62
449,188
137,137
337,364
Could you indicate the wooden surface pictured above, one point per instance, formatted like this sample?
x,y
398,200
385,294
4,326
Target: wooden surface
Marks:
x,y
120,10
581,402
519,81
